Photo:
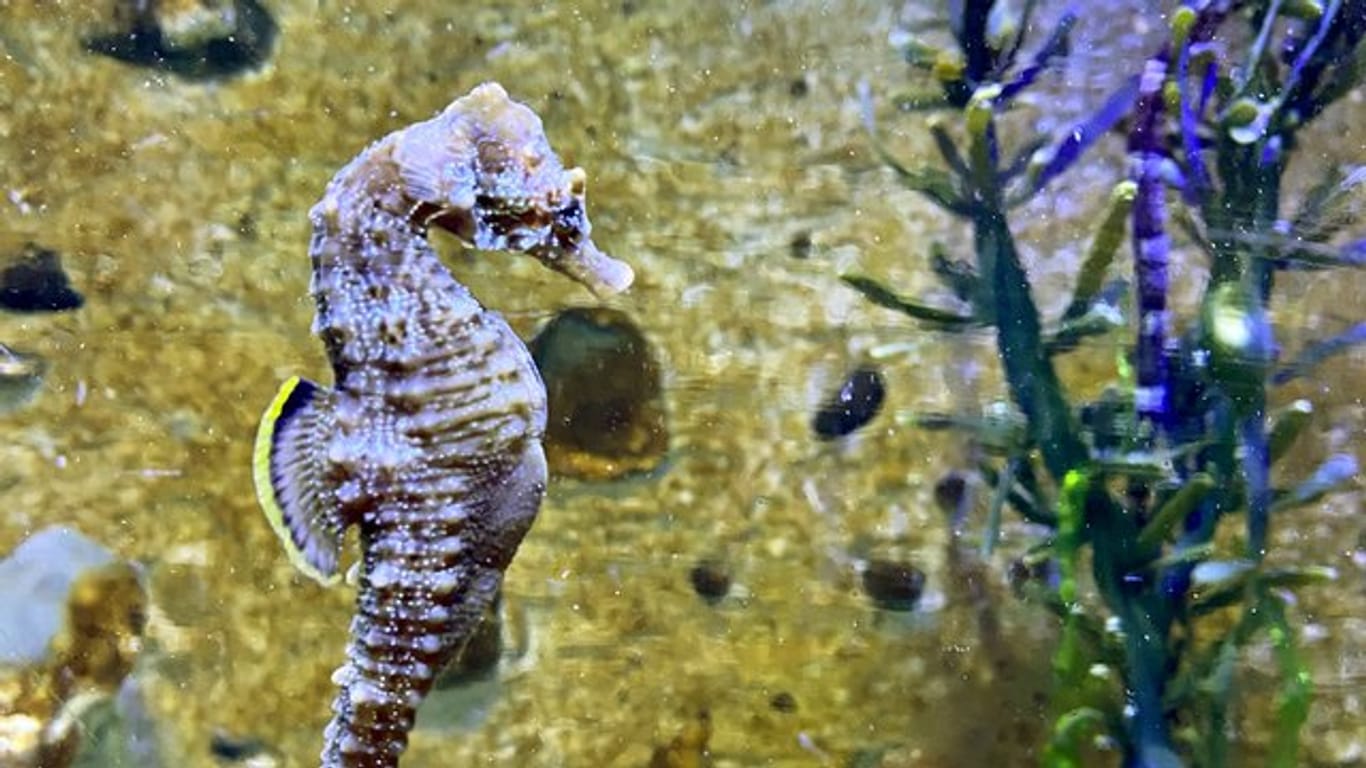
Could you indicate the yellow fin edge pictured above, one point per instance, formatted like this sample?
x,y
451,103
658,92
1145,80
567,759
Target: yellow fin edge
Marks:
x,y
265,488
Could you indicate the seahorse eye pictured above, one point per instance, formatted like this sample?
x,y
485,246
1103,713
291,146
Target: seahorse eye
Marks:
x,y
568,225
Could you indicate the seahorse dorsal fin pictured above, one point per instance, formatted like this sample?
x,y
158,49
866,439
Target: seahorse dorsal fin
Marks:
x,y
287,467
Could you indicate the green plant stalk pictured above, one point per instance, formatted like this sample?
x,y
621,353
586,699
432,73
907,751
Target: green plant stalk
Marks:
x,y
1036,390
1257,476
1004,297
1102,252
1071,525
992,531
1248,203
1219,689
1288,424
1032,381
1145,617
1292,701
1079,698
1064,746
1175,510
1212,677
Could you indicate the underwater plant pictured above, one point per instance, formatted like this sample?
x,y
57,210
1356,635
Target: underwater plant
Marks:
x,y
1137,482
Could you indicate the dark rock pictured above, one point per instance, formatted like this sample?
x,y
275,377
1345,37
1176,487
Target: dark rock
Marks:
x,y
800,245
893,585
120,732
232,748
784,702
710,579
855,404
71,624
196,39
950,493
606,407
37,586
21,375
1029,570
34,282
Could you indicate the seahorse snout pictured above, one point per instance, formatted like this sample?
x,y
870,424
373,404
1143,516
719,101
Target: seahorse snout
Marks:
x,y
598,272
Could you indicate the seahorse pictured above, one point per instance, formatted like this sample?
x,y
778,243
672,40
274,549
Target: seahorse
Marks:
x,y
429,439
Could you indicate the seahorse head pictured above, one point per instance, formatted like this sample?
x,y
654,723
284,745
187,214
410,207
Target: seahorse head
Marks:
x,y
566,247
486,171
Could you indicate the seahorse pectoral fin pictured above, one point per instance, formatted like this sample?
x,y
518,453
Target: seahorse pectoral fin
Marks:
x,y
514,504
287,468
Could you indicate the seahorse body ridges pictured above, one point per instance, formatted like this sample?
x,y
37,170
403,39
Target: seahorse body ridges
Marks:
x,y
429,439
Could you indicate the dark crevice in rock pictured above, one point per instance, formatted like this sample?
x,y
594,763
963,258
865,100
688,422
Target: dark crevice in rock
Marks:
x,y
893,585
34,282
199,40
